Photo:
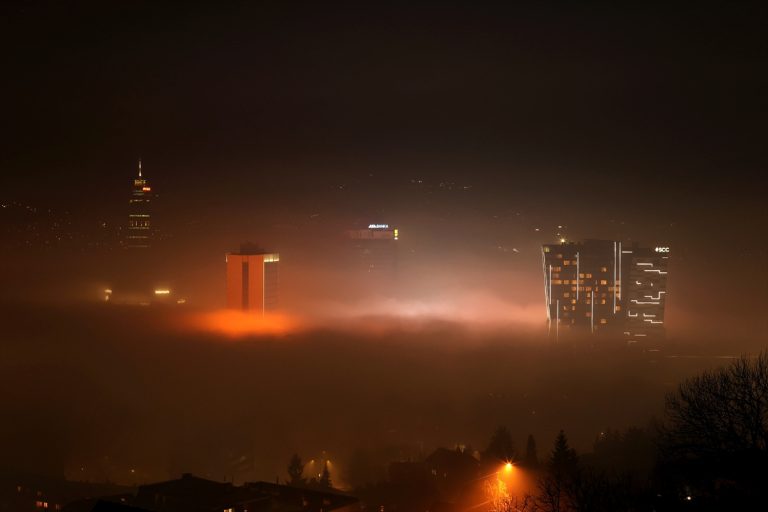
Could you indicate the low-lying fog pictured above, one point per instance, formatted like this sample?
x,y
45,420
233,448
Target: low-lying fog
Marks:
x,y
134,394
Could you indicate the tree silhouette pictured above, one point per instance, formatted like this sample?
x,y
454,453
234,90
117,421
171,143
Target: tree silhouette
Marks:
x,y
296,472
500,447
325,478
721,411
563,460
531,459
556,486
715,439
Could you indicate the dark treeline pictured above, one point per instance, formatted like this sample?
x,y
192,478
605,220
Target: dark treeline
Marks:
x,y
707,453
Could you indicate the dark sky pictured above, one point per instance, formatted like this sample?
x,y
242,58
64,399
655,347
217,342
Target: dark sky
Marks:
x,y
525,98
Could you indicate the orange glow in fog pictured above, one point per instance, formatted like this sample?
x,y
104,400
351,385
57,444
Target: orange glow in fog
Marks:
x,y
234,323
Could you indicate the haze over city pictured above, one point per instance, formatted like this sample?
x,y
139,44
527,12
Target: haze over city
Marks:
x,y
359,239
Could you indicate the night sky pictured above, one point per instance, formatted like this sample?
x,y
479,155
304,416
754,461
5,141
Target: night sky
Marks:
x,y
622,103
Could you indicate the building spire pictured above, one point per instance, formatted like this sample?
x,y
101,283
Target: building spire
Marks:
x,y
139,167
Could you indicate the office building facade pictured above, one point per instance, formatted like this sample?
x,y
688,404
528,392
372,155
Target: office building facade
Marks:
x,y
375,248
604,286
252,280
646,298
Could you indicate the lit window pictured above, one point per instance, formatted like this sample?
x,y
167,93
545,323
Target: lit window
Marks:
x,y
603,281
566,263
603,321
557,281
557,269
566,281
566,294
602,301
559,256
603,269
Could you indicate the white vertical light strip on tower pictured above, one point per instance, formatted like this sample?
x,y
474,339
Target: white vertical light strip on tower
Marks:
x,y
263,286
557,323
614,278
550,284
620,271
592,313
578,276
547,299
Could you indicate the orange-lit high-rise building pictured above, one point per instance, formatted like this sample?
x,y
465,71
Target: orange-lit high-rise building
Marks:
x,y
252,279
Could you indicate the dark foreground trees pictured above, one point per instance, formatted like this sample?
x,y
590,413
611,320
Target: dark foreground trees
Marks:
x,y
711,453
296,472
571,483
715,439
500,448
556,485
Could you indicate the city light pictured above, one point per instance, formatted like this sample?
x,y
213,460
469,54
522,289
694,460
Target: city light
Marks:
x,y
492,134
241,324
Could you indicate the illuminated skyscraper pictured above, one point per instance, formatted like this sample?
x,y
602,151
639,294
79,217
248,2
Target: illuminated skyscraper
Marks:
x,y
139,232
376,248
646,276
252,279
602,286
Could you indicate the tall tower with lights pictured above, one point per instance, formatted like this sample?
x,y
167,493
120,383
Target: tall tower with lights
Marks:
x,y
139,229
252,279
600,286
